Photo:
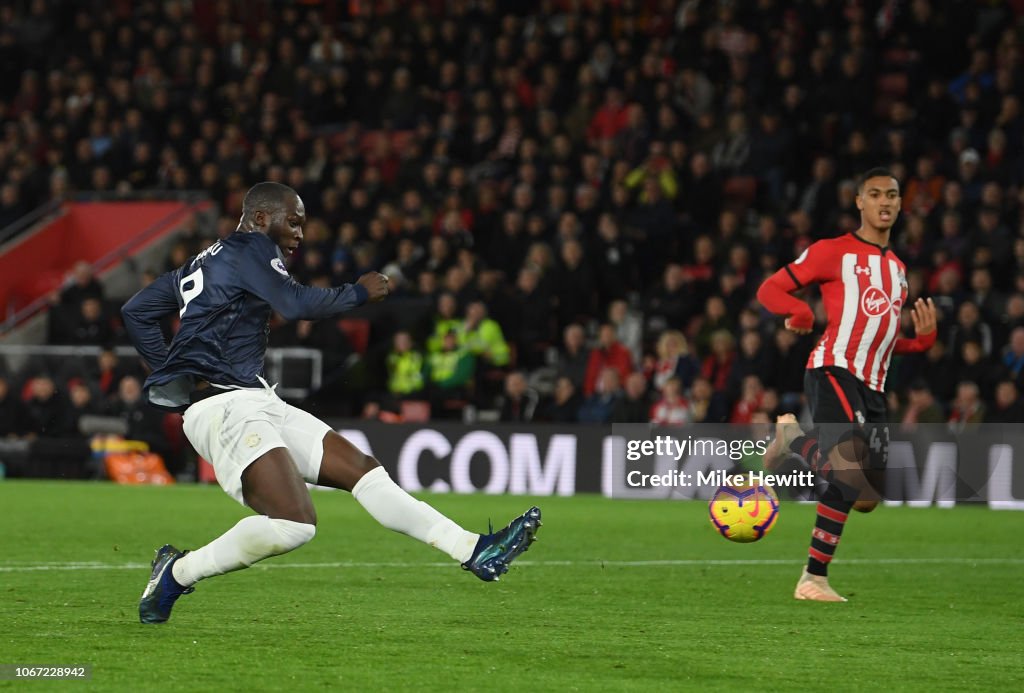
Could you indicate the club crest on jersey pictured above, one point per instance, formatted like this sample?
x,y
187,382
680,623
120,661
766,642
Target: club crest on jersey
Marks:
x,y
279,266
874,302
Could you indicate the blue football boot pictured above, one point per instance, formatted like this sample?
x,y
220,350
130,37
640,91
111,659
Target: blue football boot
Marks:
x,y
163,590
494,552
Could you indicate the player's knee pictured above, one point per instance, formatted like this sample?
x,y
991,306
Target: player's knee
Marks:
x,y
865,506
290,535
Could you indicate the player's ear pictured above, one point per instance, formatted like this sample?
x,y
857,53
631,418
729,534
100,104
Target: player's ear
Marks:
x,y
859,202
259,219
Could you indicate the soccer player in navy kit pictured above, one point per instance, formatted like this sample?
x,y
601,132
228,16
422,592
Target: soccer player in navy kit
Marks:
x,y
863,286
262,449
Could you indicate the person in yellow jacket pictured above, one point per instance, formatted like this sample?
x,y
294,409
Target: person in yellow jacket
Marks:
x,y
452,367
445,321
483,337
405,367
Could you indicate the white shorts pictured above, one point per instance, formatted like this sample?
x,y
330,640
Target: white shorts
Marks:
x,y
232,430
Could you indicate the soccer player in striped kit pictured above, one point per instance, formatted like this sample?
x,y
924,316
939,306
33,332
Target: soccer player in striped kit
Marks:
x,y
863,286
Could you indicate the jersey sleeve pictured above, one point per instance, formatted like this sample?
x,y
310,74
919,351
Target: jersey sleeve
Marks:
x,y
262,273
816,264
142,315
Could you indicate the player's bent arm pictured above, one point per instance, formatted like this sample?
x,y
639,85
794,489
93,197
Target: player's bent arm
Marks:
x,y
296,301
922,342
775,295
267,278
142,315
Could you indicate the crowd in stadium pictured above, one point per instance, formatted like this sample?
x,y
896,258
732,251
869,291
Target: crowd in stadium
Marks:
x,y
589,192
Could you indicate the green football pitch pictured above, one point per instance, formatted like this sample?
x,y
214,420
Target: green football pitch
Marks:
x,y
615,595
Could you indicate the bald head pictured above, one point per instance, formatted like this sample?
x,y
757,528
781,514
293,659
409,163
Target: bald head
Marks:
x,y
267,197
276,210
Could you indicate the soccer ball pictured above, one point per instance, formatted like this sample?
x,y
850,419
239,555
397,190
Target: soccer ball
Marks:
x,y
744,513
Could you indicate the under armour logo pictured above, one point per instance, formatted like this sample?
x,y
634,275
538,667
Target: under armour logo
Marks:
x,y
862,270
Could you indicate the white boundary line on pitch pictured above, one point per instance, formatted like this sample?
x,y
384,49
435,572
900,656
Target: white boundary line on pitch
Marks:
x,y
87,565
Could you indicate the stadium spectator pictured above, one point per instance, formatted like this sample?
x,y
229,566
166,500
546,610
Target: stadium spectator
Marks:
x,y
608,353
716,319
1008,406
1013,354
564,405
754,358
451,368
752,398
406,367
46,412
600,406
574,286
968,410
673,361
145,423
13,423
519,401
706,406
717,365
670,303
672,409
533,324
635,405
628,327
90,325
81,402
970,327
482,336
445,321
574,358
921,408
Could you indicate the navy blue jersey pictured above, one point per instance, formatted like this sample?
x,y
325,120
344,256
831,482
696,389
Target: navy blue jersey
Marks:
x,y
224,297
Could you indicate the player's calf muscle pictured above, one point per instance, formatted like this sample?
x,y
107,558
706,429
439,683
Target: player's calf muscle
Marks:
x,y
343,463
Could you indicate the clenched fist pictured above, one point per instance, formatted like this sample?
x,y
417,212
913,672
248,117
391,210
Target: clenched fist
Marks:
x,y
376,285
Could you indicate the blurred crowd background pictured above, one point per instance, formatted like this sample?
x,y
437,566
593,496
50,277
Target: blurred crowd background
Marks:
x,y
578,198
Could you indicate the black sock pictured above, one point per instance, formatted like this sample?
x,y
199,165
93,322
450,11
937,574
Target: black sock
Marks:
x,y
806,446
833,510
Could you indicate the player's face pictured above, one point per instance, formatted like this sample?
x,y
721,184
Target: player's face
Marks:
x,y
879,202
286,226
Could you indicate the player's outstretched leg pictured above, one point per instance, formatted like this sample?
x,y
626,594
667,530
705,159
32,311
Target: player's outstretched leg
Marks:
x,y
271,485
787,429
488,556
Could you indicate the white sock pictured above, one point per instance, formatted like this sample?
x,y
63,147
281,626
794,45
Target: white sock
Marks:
x,y
398,511
254,538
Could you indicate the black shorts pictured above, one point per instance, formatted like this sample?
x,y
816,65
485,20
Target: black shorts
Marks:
x,y
842,406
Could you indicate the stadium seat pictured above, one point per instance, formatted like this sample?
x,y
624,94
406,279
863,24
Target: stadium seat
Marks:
x,y
740,191
173,431
357,330
893,84
415,410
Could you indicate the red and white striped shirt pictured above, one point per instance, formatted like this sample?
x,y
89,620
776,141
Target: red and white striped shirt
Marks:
x,y
863,286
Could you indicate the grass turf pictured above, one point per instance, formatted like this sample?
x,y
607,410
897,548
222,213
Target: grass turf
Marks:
x,y
589,608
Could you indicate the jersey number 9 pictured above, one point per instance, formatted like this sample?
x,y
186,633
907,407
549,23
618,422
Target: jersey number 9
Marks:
x,y
190,292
